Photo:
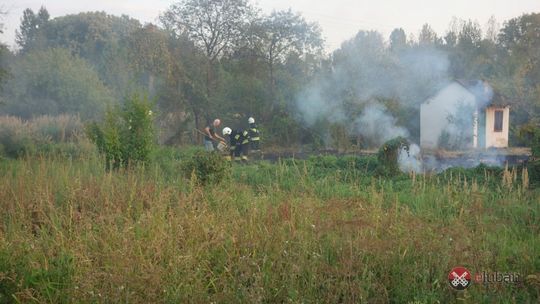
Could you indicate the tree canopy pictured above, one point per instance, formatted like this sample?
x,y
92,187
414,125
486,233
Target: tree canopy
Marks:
x,y
226,58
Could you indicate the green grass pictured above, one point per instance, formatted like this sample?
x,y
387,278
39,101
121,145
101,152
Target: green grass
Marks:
x,y
325,230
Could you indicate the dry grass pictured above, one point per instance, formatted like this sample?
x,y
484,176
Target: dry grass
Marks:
x,y
72,232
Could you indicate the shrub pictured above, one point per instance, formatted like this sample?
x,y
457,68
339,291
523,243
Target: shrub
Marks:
x,y
530,133
388,155
126,135
206,167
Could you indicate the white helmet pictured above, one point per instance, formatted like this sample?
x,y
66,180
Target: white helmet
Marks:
x,y
251,120
227,131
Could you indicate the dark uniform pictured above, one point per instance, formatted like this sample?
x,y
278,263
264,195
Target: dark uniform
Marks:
x,y
254,137
239,144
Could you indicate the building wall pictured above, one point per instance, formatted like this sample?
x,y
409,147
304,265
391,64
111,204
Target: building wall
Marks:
x,y
497,139
435,111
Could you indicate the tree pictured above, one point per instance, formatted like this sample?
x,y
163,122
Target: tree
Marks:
x,y
149,53
214,25
31,25
2,16
3,52
52,82
469,35
281,33
492,29
98,38
520,60
398,39
428,36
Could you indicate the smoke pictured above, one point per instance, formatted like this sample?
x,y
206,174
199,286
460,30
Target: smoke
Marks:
x,y
410,161
364,79
377,125
368,86
314,107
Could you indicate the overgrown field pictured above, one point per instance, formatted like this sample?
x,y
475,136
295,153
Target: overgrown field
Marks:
x,y
325,230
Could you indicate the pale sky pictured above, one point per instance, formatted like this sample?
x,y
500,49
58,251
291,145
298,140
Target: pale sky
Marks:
x,y
339,19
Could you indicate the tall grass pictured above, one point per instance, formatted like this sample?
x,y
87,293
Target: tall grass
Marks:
x,y
51,135
272,233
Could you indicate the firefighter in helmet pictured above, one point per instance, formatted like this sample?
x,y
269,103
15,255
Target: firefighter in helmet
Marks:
x,y
238,143
254,135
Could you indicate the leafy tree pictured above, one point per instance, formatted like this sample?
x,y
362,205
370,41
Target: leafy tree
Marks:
x,y
94,36
469,35
280,34
428,36
4,52
518,46
215,26
492,29
31,25
398,39
149,54
52,82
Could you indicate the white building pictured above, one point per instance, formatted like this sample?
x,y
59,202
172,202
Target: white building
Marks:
x,y
462,116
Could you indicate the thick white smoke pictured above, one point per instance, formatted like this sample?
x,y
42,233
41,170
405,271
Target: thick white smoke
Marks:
x,y
365,75
377,125
410,161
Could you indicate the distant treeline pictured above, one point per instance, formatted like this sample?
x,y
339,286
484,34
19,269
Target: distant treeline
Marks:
x,y
224,58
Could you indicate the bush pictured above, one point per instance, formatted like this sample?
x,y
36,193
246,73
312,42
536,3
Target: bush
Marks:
x,y
206,167
530,134
127,135
388,155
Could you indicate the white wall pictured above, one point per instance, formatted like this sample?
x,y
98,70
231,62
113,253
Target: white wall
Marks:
x,y
434,112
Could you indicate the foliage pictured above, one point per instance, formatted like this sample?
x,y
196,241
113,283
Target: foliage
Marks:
x,y
54,82
388,155
127,135
31,24
225,58
530,134
215,26
206,168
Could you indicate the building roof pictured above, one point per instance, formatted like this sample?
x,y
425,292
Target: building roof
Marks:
x,y
484,93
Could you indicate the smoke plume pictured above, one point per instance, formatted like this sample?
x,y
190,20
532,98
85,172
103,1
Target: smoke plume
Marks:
x,y
366,78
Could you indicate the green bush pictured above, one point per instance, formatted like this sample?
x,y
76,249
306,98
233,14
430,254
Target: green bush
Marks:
x,y
206,167
388,155
530,134
127,134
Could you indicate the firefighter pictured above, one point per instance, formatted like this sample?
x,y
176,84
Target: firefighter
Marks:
x,y
238,143
254,135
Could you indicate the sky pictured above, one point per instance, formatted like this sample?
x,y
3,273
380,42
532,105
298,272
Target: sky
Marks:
x,y
339,19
